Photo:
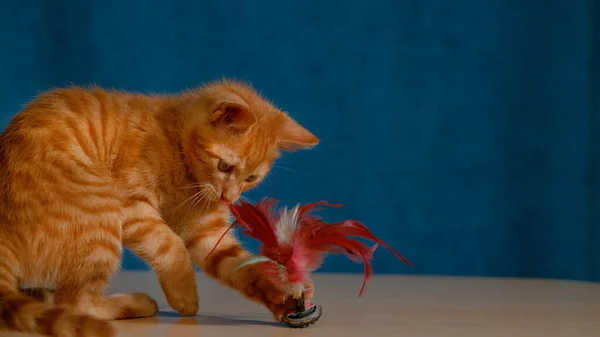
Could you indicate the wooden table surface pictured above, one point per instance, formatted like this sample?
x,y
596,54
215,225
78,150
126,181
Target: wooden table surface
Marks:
x,y
406,306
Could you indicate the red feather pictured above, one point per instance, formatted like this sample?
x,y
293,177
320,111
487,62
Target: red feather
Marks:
x,y
298,240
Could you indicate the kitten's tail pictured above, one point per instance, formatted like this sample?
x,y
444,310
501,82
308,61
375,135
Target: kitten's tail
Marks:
x,y
23,313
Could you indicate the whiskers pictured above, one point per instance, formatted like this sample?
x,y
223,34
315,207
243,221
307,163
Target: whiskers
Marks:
x,y
195,185
246,199
278,166
203,197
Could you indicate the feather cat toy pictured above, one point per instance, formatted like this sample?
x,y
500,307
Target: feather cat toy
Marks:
x,y
298,242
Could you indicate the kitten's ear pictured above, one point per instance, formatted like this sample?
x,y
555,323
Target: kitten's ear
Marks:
x,y
293,136
232,114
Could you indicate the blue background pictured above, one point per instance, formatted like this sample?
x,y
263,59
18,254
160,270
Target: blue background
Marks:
x,y
464,133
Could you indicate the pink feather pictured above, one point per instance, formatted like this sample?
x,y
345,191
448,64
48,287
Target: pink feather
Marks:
x,y
303,250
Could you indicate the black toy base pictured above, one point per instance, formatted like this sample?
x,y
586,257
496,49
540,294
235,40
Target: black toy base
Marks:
x,y
305,318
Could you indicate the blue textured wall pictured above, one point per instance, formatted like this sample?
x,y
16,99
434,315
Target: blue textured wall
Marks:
x,y
464,133
594,126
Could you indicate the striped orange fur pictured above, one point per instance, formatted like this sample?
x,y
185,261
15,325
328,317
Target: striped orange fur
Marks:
x,y
84,171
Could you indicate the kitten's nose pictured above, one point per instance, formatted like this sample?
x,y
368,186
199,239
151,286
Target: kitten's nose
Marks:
x,y
229,194
228,198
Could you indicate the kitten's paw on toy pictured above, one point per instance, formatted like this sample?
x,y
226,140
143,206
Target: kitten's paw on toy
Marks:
x,y
254,284
308,291
258,284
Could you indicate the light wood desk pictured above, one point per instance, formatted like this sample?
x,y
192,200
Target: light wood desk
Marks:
x,y
392,306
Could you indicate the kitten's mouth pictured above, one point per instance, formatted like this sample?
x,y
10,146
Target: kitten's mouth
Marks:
x,y
227,202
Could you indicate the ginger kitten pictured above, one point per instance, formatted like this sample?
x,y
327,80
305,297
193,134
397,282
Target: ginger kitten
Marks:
x,y
85,171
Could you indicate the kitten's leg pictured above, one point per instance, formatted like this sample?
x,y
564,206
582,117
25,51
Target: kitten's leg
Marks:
x,y
127,306
89,299
223,262
82,288
150,238
117,306
41,294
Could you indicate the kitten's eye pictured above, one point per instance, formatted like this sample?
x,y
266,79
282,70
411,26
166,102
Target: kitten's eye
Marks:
x,y
251,178
224,166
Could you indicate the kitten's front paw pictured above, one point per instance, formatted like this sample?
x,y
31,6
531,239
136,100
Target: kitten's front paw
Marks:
x,y
182,294
185,303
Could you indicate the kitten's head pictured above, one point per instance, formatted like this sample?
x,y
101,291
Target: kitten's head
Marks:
x,y
232,136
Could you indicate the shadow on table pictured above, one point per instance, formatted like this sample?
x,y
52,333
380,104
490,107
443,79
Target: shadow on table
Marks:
x,y
169,317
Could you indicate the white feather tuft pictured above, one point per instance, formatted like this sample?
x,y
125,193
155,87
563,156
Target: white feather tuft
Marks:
x,y
287,224
253,260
